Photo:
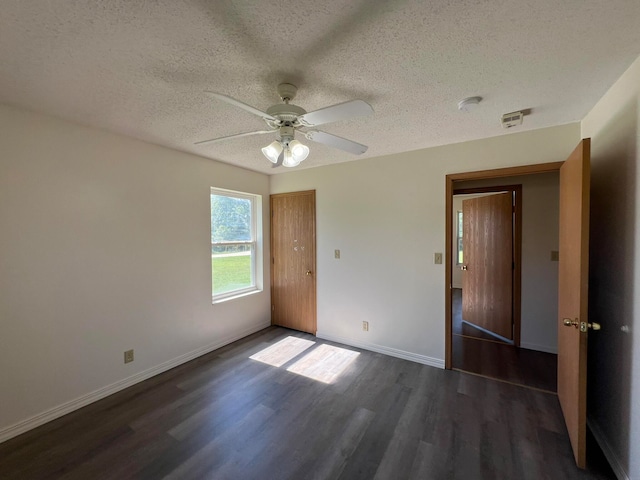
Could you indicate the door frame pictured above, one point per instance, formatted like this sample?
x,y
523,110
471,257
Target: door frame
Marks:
x,y
516,279
450,181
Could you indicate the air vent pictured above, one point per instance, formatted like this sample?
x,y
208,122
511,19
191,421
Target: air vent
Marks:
x,y
512,119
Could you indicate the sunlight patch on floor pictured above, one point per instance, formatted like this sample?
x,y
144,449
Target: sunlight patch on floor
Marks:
x,y
324,363
281,352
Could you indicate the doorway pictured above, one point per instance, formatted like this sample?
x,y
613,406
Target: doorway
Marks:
x,y
293,260
480,350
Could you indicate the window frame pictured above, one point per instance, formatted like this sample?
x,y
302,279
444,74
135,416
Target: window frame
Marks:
x,y
459,241
255,243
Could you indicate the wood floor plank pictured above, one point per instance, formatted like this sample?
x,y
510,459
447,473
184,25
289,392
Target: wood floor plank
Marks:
x,y
477,352
227,416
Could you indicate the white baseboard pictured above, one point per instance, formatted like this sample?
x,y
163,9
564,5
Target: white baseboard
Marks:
x,y
392,352
539,348
68,407
610,455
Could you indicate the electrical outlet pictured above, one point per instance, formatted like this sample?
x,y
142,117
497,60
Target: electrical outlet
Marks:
x,y
437,258
336,254
365,326
128,356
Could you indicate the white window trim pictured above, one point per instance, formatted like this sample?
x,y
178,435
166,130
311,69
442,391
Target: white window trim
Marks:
x,y
256,242
458,237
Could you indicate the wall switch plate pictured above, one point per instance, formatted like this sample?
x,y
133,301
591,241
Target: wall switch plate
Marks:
x,y
437,258
365,326
336,253
555,256
128,356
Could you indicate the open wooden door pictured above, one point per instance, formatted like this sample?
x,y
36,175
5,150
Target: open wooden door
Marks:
x,y
572,295
293,260
487,279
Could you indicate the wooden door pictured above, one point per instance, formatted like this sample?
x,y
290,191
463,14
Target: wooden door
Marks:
x,y
293,260
487,279
573,269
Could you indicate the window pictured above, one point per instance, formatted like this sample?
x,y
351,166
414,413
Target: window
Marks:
x,y
459,255
235,244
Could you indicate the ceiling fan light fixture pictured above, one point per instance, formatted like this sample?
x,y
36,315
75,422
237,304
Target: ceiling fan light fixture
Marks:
x,y
289,159
286,118
272,151
299,151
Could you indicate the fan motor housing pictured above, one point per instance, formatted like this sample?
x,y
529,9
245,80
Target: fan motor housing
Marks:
x,y
286,112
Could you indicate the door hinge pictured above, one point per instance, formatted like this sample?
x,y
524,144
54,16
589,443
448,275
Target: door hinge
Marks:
x,y
273,308
273,260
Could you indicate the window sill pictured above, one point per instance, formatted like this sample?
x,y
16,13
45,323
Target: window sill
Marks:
x,y
234,296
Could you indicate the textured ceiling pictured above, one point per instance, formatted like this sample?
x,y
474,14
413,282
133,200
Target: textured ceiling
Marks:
x,y
140,67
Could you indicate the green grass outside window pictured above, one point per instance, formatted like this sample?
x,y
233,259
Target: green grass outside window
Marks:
x,y
230,273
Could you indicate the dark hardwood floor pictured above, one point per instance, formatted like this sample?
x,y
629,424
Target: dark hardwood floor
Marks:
x,y
229,416
477,352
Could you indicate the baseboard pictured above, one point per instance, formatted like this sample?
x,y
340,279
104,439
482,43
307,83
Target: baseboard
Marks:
x,y
68,407
610,455
539,348
392,352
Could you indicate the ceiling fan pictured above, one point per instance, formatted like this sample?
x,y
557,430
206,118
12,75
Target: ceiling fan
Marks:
x,y
286,118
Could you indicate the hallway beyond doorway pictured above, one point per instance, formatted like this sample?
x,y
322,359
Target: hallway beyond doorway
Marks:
x,y
480,353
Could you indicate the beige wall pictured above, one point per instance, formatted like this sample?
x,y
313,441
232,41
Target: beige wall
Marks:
x,y
614,280
540,197
387,216
105,245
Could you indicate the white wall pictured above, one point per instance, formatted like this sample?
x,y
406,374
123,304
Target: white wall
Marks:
x,y
614,280
105,245
387,216
539,301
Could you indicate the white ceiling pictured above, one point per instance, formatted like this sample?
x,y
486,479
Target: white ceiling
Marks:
x,y
140,67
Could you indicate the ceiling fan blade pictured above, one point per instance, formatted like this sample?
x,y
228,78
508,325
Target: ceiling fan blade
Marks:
x,y
336,142
342,111
240,104
237,135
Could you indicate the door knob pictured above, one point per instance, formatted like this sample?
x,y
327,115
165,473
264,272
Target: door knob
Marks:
x,y
584,326
309,273
463,267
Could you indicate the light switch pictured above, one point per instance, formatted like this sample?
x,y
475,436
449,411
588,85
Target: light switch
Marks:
x,y
337,254
437,258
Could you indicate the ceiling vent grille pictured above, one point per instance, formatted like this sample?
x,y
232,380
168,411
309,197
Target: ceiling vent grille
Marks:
x,y
512,119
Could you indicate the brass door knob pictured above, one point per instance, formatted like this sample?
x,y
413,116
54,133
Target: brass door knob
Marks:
x,y
463,267
309,273
584,326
